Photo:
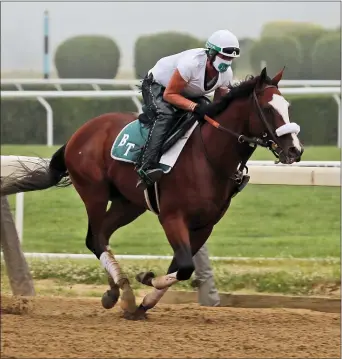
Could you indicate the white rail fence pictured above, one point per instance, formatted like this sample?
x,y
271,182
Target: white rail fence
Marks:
x,y
135,95
96,83
134,257
306,173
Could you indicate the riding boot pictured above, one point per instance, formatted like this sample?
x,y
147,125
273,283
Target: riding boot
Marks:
x,y
150,171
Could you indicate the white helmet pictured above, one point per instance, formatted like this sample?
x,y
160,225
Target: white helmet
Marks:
x,y
225,43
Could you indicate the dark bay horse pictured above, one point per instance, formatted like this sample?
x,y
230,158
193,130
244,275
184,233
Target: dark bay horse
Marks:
x,y
193,196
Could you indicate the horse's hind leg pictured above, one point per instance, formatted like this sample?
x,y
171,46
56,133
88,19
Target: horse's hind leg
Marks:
x,y
110,297
95,197
120,213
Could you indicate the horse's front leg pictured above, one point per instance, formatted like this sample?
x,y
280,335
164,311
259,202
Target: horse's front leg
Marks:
x,y
197,239
178,236
151,299
181,267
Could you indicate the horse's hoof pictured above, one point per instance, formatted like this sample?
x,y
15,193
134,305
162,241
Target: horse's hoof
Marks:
x,y
109,299
139,314
145,278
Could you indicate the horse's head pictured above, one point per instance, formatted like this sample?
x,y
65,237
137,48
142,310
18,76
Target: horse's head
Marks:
x,y
270,120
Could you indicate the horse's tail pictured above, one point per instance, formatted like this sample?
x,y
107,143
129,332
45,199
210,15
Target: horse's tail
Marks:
x,y
44,175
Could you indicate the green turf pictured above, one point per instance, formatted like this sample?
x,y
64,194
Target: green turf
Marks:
x,y
270,221
287,277
319,153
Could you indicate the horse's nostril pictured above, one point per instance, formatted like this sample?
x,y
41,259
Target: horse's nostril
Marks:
x,y
294,152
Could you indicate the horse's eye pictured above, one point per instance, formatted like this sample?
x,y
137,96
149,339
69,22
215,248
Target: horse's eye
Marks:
x,y
268,111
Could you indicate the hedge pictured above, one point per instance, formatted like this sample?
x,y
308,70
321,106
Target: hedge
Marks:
x,y
87,57
317,116
277,52
149,49
24,121
326,57
307,35
307,39
283,28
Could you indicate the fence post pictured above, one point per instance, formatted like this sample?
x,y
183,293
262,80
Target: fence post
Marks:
x,y
17,268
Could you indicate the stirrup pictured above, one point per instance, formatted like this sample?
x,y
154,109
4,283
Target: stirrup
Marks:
x,y
148,177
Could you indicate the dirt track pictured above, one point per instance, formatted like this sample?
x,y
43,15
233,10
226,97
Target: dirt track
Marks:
x,y
52,327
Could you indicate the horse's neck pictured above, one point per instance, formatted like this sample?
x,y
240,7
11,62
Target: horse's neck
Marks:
x,y
222,147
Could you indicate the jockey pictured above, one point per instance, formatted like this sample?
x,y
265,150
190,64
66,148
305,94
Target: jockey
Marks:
x,y
174,83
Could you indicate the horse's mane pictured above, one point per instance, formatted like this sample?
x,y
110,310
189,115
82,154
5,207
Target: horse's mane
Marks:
x,y
241,89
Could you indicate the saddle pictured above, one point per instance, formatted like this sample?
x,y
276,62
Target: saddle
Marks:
x,y
183,121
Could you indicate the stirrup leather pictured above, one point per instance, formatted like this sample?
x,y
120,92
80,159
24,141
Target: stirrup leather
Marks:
x,y
144,176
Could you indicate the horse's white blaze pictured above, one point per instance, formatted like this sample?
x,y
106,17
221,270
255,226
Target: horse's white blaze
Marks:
x,y
282,107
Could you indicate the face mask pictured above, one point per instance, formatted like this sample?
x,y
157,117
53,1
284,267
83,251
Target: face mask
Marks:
x,y
221,65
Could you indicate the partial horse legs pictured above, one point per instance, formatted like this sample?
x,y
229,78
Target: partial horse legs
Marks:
x,y
163,283
110,297
101,226
120,213
178,235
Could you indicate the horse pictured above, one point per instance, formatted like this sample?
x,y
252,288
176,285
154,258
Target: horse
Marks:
x,y
192,197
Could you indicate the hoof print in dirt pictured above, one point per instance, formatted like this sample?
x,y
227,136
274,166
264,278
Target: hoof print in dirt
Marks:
x,y
17,306
137,315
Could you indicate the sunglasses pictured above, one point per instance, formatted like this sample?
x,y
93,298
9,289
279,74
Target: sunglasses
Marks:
x,y
231,51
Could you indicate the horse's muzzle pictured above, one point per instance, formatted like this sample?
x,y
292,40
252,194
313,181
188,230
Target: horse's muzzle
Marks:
x,y
293,152
293,155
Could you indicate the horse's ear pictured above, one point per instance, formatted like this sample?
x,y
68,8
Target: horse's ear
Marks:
x,y
278,77
262,77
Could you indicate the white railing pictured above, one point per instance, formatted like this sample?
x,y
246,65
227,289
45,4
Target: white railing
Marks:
x,y
314,173
95,83
130,93
135,257
135,95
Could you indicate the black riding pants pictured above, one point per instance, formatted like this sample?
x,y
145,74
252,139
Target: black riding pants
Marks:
x,y
161,114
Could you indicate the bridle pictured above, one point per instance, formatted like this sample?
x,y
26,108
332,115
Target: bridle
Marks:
x,y
250,143
272,144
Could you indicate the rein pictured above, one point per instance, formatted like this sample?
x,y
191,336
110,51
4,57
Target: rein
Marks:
x,y
252,142
271,144
242,138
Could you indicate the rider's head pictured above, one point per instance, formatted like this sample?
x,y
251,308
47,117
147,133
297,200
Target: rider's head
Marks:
x,y
222,46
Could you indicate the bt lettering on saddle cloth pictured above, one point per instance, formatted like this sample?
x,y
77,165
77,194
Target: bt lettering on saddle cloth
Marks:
x,y
130,141
123,143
